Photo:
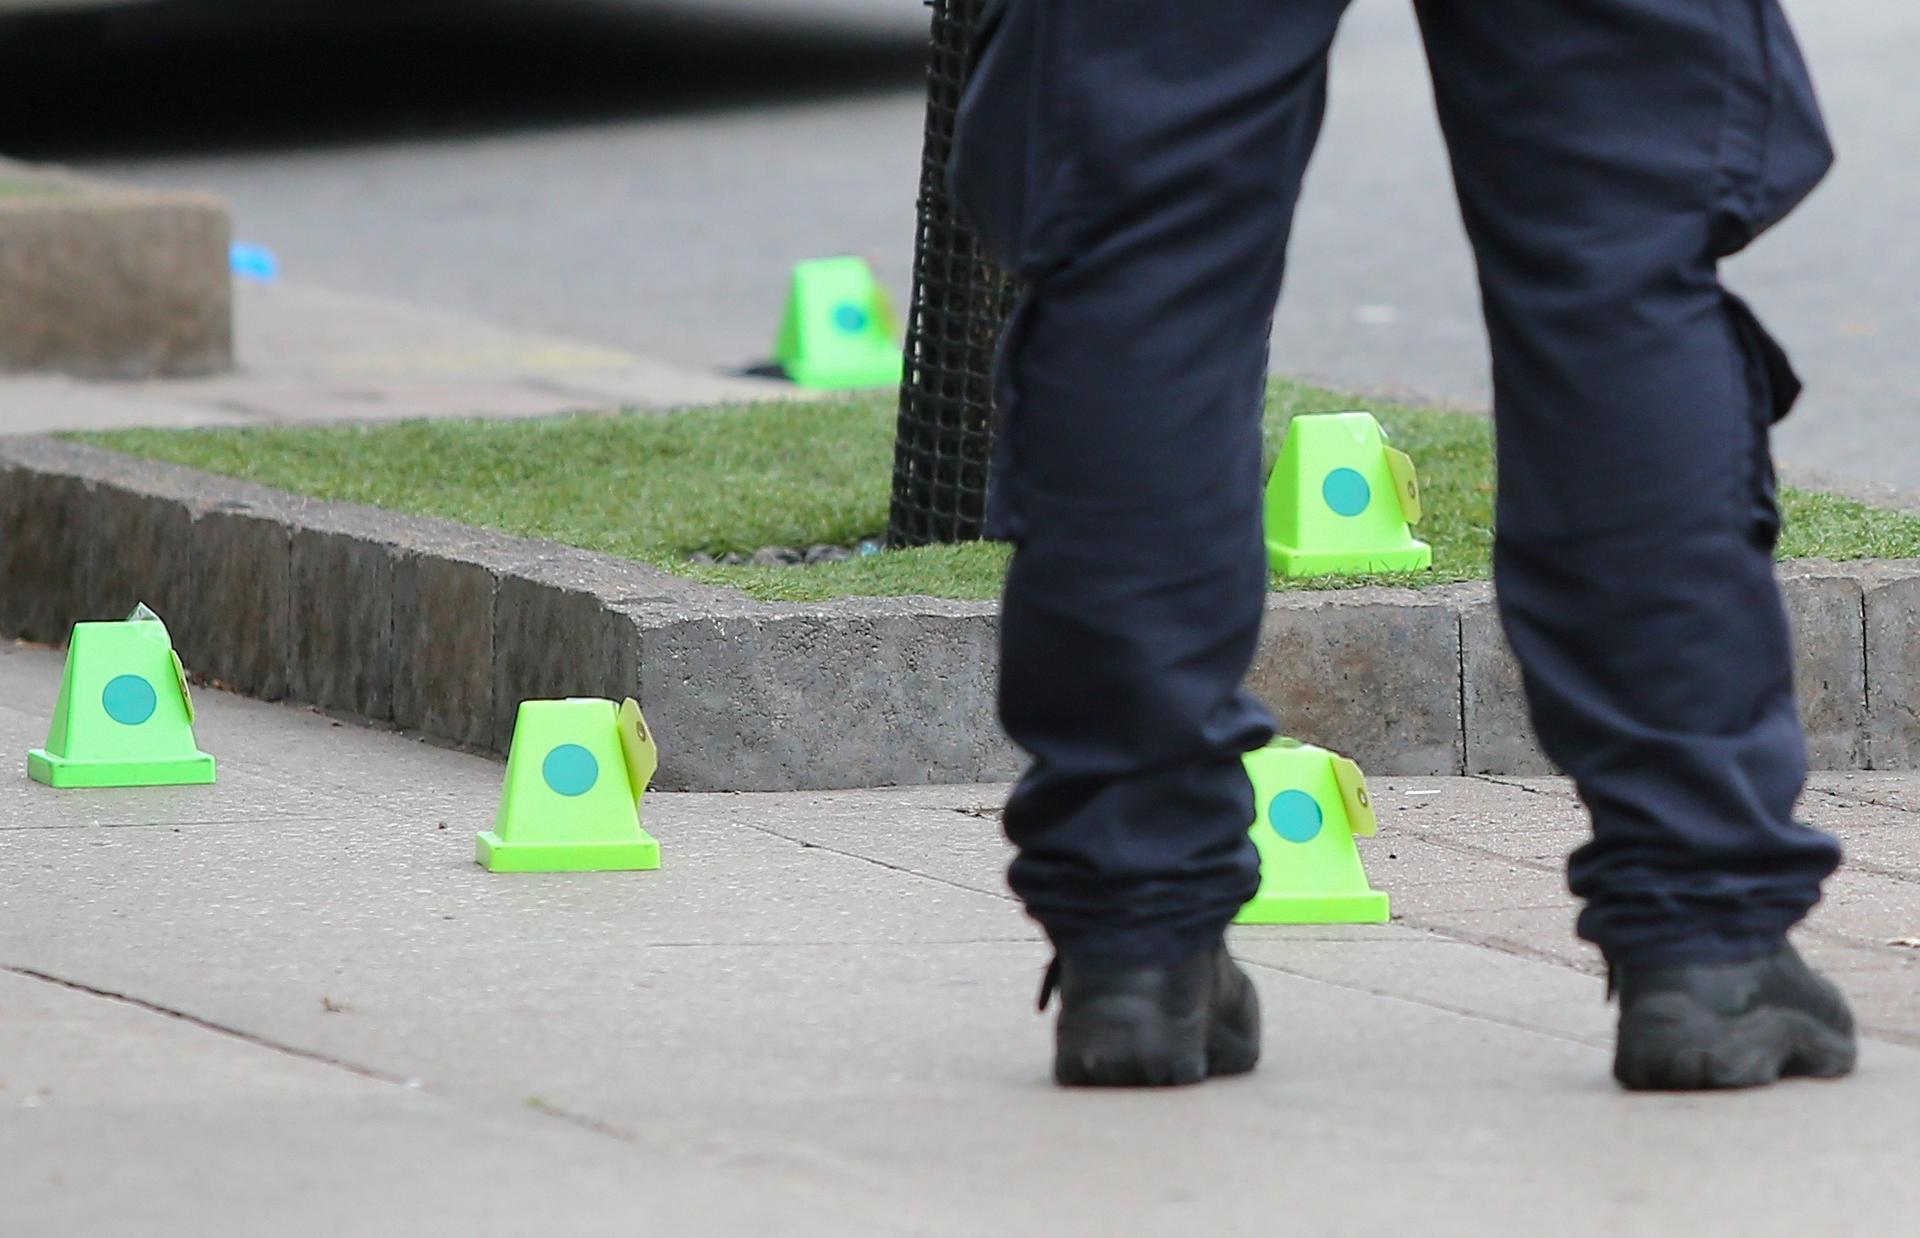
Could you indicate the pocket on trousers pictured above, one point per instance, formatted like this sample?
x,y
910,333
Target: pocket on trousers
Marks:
x,y
1774,387
1772,366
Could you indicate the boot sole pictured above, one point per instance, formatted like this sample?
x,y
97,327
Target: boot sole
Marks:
x,y
1672,1044
1140,1064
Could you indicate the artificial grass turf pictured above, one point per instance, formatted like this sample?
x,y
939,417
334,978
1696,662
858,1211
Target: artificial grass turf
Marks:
x,y
661,487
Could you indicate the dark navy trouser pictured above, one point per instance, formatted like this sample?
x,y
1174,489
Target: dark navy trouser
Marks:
x,y
1137,163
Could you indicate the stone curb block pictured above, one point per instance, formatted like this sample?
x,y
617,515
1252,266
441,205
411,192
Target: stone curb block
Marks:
x,y
340,652
1893,672
445,629
110,281
242,570
839,695
1500,737
1830,676
43,553
142,545
1374,672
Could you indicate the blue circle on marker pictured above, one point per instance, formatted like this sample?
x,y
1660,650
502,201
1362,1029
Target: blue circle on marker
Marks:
x,y
1346,492
851,319
129,700
1295,816
570,770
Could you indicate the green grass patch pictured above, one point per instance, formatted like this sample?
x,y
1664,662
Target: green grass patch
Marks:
x,y
661,487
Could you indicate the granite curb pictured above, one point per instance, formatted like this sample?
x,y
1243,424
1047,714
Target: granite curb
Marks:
x,y
108,281
441,628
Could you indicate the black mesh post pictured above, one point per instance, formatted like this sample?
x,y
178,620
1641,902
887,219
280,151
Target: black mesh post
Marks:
x,y
944,442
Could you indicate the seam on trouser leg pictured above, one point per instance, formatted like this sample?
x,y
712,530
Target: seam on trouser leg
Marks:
x,y
1763,371
1006,520
1746,118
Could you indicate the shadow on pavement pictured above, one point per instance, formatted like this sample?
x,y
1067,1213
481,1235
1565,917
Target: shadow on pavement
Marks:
x,y
210,76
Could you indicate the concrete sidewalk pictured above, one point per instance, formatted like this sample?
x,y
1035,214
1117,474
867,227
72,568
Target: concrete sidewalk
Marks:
x,y
311,355
291,1004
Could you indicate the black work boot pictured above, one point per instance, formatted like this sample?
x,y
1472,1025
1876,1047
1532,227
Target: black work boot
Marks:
x,y
1153,1026
1729,1025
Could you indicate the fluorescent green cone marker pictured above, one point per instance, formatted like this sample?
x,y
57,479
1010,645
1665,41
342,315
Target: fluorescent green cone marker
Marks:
x,y
1309,805
1340,500
575,776
125,716
839,330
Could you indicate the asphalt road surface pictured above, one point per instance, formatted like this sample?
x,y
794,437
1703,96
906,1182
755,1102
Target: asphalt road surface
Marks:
x,y
643,175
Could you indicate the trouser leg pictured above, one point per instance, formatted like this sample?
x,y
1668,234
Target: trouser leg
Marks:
x,y
1608,153
1136,163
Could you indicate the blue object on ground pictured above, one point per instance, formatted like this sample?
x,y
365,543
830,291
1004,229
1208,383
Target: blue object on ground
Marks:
x,y
254,262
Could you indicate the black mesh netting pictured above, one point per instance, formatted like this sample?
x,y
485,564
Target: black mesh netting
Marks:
x,y
960,300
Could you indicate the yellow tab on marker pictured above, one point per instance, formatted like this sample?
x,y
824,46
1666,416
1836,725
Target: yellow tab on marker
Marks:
x,y
186,694
1406,483
636,742
1353,791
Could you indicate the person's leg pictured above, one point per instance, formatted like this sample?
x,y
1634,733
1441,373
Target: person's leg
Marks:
x,y
1608,154
1136,164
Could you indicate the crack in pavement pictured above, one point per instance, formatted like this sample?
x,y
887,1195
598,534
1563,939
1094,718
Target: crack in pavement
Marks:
x,y
246,1037
1002,895
1499,945
1478,1016
155,825
836,945
1500,781
1449,843
1861,800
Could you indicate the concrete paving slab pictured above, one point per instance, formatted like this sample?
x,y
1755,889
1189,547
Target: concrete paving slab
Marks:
x,y
959,1085
1843,958
1432,831
1889,789
46,403
1538,851
922,1149
1402,862
957,847
1520,890
1416,966
123,1121
1446,809
815,1018
1454,873
315,355
294,335
244,792
1886,1001
1867,909
372,760
380,889
1542,932
271,400
1372,1115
